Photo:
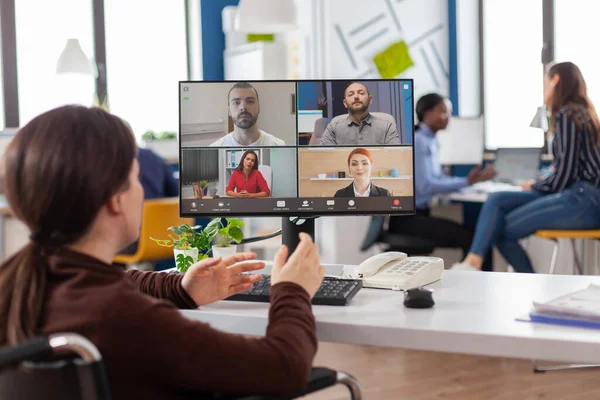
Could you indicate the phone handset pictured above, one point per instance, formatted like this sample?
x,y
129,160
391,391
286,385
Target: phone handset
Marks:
x,y
372,265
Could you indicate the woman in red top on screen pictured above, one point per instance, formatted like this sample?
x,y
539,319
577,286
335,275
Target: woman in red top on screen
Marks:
x,y
246,180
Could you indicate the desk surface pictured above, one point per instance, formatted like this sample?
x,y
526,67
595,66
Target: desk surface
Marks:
x,y
473,195
474,314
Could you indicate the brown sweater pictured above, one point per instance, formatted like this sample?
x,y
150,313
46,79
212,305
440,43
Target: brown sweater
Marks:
x,y
152,352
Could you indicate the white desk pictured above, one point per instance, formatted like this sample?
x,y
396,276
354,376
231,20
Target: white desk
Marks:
x,y
474,314
471,195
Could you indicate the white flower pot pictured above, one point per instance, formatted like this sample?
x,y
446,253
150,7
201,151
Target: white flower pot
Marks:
x,y
223,251
193,252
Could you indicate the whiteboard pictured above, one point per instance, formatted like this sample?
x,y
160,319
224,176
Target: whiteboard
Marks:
x,y
462,141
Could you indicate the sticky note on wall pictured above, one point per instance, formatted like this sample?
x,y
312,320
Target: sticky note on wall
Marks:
x,y
258,37
394,60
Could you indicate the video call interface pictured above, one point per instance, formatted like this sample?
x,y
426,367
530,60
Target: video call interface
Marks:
x,y
296,147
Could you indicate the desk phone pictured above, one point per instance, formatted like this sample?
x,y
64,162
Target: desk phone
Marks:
x,y
395,270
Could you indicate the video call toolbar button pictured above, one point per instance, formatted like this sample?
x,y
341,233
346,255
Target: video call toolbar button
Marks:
x,y
351,203
280,203
330,202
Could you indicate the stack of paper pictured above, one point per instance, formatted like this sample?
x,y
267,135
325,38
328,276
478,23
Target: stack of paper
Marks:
x,y
580,308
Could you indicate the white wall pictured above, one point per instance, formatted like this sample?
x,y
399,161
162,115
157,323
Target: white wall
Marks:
x,y
283,163
339,38
207,109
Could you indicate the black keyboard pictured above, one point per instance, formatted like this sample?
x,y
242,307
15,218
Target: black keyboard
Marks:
x,y
333,291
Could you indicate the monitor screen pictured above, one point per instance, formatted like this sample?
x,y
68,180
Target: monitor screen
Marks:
x,y
517,164
296,148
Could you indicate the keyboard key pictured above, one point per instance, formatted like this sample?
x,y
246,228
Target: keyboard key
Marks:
x,y
333,291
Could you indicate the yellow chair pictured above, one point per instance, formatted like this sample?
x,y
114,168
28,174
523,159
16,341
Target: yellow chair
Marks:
x,y
157,216
554,235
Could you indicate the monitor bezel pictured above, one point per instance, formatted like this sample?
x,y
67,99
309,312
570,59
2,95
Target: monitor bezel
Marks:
x,y
301,214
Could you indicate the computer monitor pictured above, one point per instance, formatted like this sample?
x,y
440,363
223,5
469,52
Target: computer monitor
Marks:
x,y
241,153
516,165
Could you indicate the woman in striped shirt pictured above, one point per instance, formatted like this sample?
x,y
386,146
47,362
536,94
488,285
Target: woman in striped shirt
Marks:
x,y
567,199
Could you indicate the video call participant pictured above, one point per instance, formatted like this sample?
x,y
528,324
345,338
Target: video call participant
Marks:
x,y
244,108
360,165
246,180
359,126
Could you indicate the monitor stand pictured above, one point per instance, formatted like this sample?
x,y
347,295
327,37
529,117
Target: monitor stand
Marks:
x,y
291,228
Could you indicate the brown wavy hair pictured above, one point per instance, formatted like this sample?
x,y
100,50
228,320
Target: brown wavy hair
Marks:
x,y
570,95
60,169
240,166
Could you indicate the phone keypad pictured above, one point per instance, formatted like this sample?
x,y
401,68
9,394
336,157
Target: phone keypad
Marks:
x,y
406,267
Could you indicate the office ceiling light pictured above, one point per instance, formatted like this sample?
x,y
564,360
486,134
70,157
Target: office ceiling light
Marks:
x,y
73,60
266,16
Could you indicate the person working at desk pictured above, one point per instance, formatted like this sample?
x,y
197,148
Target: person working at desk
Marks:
x,y
359,126
567,199
155,176
244,108
80,215
246,180
433,113
360,165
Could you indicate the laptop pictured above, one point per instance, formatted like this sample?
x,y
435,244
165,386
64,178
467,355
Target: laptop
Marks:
x,y
516,165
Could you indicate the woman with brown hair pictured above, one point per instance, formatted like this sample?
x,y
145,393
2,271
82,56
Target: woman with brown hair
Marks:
x,y
360,167
72,178
246,180
567,199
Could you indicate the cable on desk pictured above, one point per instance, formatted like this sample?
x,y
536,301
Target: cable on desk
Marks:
x,y
259,238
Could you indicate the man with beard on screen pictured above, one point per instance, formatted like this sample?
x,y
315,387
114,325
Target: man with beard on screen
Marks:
x,y
244,108
359,127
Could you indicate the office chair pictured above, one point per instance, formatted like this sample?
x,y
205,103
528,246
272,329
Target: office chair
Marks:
x,y
23,378
267,173
409,244
555,235
318,130
157,216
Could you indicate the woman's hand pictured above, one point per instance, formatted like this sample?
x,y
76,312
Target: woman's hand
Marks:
x,y
480,175
303,267
527,185
215,279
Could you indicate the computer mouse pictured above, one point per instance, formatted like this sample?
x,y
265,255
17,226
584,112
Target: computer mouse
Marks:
x,y
418,298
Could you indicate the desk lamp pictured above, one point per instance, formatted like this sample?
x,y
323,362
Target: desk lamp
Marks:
x,y
540,121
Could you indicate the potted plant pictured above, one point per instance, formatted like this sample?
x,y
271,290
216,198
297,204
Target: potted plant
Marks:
x,y
190,244
203,184
225,235
164,144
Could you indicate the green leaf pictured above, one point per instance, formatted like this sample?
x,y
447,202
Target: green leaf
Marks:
x,y
163,242
213,225
234,222
178,230
236,234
